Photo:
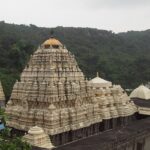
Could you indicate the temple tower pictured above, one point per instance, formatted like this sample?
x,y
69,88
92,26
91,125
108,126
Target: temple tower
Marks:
x,y
2,97
53,94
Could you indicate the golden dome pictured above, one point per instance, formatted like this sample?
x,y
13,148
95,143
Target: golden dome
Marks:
x,y
52,42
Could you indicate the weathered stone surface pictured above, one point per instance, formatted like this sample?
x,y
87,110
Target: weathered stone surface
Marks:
x,y
53,94
141,98
112,100
37,137
2,97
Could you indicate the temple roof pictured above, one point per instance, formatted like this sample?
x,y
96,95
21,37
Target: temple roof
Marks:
x,y
36,130
52,42
141,92
98,80
141,102
110,139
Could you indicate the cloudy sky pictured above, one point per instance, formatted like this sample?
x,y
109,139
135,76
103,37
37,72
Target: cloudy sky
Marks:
x,y
115,15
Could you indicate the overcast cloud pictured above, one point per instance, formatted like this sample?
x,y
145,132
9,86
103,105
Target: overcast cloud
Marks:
x,y
119,4
115,15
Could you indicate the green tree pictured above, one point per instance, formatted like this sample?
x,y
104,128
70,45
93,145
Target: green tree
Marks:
x,y
8,141
122,58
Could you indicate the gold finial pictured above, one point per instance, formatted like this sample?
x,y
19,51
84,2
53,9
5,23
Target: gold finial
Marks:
x,y
97,74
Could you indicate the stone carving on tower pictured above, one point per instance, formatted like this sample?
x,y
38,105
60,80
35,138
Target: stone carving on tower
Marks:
x,y
53,94
112,99
2,97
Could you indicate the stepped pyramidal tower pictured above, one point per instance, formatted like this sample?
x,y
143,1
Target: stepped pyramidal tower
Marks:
x,y
2,97
53,94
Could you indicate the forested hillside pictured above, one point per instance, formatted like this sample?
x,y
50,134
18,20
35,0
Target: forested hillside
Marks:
x,y
121,58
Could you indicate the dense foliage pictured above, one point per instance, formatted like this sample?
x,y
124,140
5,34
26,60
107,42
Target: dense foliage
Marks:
x,y
122,58
9,142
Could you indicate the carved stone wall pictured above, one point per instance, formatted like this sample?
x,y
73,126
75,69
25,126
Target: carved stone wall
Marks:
x,y
2,97
53,94
113,102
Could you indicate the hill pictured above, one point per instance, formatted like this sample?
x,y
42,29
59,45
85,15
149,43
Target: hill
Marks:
x,y
122,58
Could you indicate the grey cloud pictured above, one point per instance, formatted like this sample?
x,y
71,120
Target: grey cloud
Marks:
x,y
116,15
117,3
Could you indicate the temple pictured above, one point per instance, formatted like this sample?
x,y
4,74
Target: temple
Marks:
x,y
141,98
36,137
2,97
54,95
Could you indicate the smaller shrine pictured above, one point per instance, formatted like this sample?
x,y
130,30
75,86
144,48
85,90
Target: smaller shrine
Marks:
x,y
37,137
112,99
141,98
2,97
141,92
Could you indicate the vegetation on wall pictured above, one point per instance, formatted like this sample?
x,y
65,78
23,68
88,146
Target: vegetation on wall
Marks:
x,y
122,58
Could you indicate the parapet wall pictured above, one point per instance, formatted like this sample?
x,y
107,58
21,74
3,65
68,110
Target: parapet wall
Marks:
x,y
135,136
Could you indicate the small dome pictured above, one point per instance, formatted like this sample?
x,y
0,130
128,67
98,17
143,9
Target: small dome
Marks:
x,y
141,92
52,42
35,130
98,80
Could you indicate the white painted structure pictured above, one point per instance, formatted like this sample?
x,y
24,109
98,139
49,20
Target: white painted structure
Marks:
x,y
141,92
